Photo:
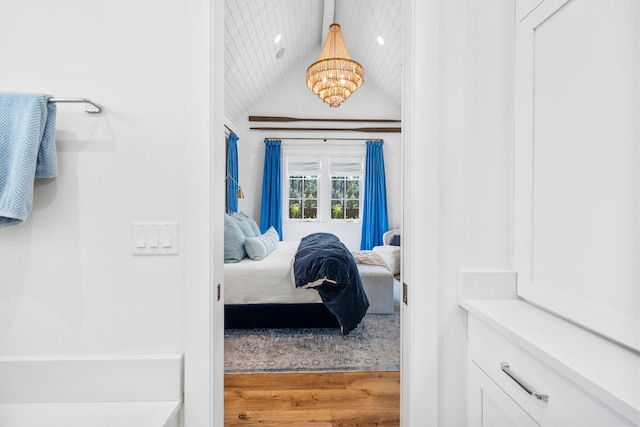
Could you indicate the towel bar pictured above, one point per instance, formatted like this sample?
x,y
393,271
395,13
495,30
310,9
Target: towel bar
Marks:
x,y
96,107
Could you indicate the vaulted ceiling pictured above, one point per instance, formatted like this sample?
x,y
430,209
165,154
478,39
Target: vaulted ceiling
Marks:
x,y
255,64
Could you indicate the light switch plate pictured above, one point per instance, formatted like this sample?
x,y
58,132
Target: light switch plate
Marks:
x,y
154,238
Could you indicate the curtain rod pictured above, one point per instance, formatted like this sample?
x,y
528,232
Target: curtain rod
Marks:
x,y
329,139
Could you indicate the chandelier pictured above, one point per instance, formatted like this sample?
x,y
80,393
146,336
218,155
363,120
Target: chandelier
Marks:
x,y
334,76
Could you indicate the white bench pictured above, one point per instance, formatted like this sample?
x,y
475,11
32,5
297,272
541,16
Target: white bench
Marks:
x,y
378,285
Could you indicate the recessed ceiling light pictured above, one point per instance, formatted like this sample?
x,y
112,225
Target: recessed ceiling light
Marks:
x,y
380,40
277,38
280,53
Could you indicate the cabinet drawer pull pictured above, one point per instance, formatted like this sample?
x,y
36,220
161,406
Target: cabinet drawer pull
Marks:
x,y
505,368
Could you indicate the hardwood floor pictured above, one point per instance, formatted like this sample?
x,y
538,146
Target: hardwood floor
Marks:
x,y
326,399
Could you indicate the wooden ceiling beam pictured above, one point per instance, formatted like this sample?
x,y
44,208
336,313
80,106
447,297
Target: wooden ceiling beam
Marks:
x,y
363,129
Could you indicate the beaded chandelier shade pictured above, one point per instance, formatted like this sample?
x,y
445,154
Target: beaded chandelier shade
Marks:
x,y
334,76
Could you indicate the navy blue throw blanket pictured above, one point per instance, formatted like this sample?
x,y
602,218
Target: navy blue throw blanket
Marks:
x,y
323,262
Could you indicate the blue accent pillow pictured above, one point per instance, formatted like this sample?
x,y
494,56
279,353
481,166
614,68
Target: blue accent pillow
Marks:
x,y
395,241
244,225
252,223
233,241
259,247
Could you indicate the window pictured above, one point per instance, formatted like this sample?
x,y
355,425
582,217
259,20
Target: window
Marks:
x,y
345,197
303,179
324,190
303,197
346,181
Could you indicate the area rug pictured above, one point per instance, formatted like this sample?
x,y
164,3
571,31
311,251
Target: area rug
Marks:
x,y
373,346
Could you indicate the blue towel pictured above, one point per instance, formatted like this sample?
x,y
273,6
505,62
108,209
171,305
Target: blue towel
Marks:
x,y
27,151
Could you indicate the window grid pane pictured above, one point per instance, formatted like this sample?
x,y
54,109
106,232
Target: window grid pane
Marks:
x,y
345,197
303,197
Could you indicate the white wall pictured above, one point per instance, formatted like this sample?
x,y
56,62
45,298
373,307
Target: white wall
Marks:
x,y
476,164
68,282
292,98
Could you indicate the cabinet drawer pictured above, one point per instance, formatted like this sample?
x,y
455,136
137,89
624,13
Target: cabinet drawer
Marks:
x,y
567,405
489,405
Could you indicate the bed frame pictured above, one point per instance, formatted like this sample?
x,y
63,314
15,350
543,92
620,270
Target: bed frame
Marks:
x,y
251,316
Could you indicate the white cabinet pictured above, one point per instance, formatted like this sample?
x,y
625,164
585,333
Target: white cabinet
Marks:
x,y
490,406
525,7
577,156
563,373
574,332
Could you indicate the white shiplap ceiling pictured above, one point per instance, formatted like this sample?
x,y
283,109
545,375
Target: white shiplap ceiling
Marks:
x,y
252,68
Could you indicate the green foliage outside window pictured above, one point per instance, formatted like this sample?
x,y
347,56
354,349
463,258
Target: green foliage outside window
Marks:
x,y
345,197
294,210
303,197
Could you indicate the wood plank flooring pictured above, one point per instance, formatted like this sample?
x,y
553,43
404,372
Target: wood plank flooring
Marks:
x,y
327,399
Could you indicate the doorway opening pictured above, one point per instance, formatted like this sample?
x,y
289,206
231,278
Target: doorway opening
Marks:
x,y
250,177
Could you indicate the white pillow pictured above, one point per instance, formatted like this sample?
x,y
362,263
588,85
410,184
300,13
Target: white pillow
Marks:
x,y
391,257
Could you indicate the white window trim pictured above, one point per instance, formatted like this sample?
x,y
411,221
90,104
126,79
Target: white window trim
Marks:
x,y
285,203
360,201
322,153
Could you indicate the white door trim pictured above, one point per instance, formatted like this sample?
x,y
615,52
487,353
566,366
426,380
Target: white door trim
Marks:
x,y
204,352
203,239
419,372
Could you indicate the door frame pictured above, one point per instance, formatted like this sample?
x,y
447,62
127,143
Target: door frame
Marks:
x,y
420,213
204,178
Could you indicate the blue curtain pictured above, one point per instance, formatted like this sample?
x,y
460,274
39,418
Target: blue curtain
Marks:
x,y
375,221
271,211
232,169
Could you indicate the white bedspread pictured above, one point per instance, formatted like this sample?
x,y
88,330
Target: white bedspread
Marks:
x,y
267,281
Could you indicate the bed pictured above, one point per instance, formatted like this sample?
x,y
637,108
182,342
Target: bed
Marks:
x,y
245,281
292,285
